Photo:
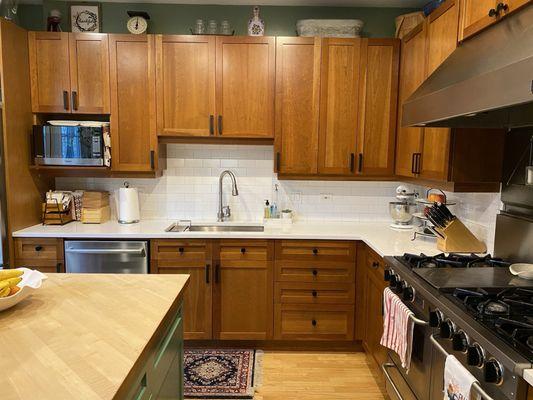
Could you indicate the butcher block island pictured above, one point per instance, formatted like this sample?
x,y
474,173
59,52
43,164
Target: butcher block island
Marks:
x,y
95,336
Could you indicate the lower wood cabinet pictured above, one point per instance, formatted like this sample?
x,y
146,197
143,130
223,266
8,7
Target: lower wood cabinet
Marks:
x,y
42,254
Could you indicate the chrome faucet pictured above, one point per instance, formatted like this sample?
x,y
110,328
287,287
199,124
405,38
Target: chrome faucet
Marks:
x,y
225,212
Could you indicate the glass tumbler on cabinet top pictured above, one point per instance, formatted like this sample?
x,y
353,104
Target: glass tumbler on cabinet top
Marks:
x,y
199,27
225,27
212,27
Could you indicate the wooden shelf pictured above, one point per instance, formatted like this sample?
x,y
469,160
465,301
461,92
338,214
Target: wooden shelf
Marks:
x,y
101,172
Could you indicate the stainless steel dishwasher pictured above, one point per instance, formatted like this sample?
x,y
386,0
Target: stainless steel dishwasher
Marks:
x,y
113,257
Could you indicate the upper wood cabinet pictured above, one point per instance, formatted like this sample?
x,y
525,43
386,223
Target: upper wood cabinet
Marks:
x,y
133,126
378,106
297,105
339,95
209,86
245,79
185,85
69,72
476,15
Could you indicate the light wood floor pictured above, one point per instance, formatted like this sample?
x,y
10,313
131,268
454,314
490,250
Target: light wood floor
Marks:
x,y
317,376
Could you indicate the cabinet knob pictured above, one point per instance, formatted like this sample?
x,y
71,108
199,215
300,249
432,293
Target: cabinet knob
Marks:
x,y
315,272
181,250
313,322
38,248
493,13
314,293
243,250
58,267
375,265
502,7
315,251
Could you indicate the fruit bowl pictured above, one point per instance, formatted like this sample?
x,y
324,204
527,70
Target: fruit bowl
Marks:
x,y
31,281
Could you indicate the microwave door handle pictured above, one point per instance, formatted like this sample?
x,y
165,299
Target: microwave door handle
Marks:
x,y
475,386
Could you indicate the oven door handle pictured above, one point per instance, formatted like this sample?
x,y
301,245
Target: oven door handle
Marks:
x,y
475,385
418,321
385,368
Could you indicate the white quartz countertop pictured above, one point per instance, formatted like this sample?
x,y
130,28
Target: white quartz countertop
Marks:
x,y
378,235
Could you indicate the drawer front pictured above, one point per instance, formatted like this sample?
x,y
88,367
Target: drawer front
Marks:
x,y
315,250
314,293
183,252
44,266
38,249
242,250
375,265
315,271
333,322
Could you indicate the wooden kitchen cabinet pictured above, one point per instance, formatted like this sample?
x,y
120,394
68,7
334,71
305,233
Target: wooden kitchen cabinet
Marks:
x,y
42,254
339,102
185,76
243,306
245,82
297,105
192,257
69,72
133,126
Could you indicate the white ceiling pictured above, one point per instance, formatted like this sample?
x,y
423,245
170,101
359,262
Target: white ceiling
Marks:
x,y
331,3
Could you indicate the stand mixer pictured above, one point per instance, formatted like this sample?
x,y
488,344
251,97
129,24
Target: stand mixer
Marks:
x,y
402,210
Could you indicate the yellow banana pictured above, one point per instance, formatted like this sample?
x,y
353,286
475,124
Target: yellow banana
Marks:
x,y
10,273
5,292
7,283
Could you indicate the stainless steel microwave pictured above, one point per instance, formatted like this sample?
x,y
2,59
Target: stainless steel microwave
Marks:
x,y
68,145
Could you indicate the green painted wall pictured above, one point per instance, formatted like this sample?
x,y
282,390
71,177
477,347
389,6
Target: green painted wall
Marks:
x,y
178,18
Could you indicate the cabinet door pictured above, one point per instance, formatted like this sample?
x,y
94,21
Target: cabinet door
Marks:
x,y
89,73
243,283
339,93
412,74
475,16
185,76
378,105
133,130
49,72
374,329
245,81
297,105
442,41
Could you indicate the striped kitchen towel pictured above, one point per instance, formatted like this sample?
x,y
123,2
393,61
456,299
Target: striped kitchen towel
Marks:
x,y
397,327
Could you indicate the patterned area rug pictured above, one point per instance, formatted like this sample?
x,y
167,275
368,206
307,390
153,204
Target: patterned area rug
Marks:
x,y
221,374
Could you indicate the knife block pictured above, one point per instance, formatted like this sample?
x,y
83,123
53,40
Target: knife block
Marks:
x,y
459,239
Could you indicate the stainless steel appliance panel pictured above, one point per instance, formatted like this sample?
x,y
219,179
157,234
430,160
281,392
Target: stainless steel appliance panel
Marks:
x,y
116,257
514,238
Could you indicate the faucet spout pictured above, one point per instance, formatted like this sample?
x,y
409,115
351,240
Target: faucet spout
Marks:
x,y
225,212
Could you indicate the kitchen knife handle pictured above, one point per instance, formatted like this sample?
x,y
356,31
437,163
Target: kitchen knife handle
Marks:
x,y
65,99
352,162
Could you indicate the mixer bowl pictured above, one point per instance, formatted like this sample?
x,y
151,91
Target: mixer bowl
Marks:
x,y
402,213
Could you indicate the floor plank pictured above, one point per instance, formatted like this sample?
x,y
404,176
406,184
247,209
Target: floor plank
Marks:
x,y
317,376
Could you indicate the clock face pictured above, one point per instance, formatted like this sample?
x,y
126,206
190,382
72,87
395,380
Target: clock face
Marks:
x,y
137,25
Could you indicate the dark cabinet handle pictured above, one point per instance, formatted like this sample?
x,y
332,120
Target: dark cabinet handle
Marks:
x,y
65,99
243,250
418,163
493,13
38,248
313,322
74,100
375,265
360,164
315,272
501,7
278,161
181,250
152,159
314,293
211,125
315,251
58,267
217,272
352,162
207,272
413,158
220,124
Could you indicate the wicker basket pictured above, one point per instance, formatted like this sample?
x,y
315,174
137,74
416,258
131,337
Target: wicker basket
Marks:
x,y
407,22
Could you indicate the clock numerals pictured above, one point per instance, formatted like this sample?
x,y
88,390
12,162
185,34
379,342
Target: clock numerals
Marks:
x,y
137,25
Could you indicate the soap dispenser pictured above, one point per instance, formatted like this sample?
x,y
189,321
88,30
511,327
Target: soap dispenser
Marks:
x,y
266,214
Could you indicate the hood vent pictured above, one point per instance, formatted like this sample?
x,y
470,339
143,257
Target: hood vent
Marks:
x,y
487,82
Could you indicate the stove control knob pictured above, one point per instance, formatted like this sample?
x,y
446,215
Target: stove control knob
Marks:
x,y
447,329
400,287
493,372
460,341
387,275
435,318
475,355
393,281
409,294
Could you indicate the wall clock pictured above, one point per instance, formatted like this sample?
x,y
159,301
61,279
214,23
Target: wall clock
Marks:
x,y
138,22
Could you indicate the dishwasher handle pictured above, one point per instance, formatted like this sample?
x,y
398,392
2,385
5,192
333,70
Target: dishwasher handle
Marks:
x,y
140,251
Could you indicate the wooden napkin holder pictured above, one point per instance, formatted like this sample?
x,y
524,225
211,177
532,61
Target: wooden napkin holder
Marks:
x,y
459,239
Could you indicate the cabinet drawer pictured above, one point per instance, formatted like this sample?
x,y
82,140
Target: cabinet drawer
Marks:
x,y
44,266
315,250
236,250
314,293
188,252
38,249
313,322
375,265
315,271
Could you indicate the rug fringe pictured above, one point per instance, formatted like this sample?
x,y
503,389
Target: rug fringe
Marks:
x,y
258,369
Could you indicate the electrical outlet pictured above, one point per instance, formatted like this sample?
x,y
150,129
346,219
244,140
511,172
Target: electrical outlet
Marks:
x,y
296,197
326,197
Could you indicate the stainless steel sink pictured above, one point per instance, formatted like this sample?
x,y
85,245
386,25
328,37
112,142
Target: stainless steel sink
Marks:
x,y
215,228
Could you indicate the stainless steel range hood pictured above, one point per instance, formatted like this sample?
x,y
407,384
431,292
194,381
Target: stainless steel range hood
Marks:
x,y
486,82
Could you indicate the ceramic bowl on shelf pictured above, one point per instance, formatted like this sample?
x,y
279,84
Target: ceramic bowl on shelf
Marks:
x,y
31,281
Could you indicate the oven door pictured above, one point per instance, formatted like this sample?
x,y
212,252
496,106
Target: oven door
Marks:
x,y
418,376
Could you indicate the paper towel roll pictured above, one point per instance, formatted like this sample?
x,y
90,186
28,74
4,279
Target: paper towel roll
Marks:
x,y
128,205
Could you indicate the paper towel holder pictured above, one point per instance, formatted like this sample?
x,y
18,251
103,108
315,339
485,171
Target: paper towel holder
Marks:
x,y
127,201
